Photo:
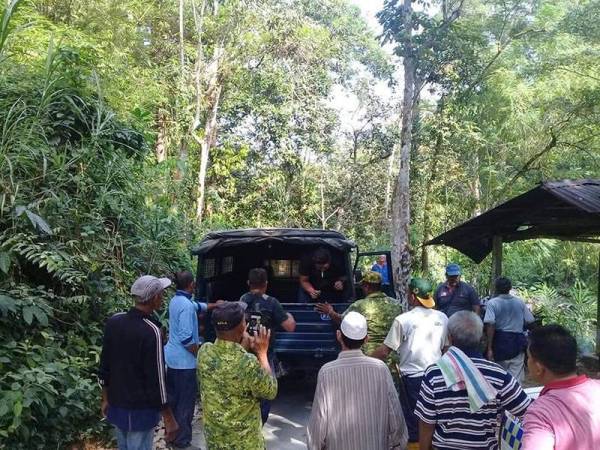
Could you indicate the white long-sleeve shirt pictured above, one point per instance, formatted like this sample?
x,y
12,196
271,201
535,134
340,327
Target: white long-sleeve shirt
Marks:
x,y
356,406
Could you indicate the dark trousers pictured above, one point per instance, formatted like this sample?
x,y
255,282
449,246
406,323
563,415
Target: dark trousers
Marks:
x,y
182,391
265,405
411,387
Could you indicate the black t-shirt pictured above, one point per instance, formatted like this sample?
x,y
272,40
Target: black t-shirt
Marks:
x,y
267,308
321,281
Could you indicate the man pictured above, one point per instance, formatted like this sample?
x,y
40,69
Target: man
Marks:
x,y
566,415
455,295
355,406
417,337
132,373
180,355
234,381
505,318
454,417
265,310
381,268
320,278
379,310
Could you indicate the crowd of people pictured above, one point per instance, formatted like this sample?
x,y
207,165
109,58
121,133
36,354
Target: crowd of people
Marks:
x,y
427,378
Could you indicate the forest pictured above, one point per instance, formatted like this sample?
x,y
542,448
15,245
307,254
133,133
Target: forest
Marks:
x,y
129,129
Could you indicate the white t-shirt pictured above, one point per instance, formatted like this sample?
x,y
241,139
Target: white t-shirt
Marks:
x,y
418,337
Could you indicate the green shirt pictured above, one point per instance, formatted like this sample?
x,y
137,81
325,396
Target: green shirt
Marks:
x,y
231,384
380,312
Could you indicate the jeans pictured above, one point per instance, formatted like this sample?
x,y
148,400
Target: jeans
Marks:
x,y
411,386
182,391
135,440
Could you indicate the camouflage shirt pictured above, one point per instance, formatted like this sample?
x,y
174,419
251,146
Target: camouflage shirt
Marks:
x,y
231,384
380,312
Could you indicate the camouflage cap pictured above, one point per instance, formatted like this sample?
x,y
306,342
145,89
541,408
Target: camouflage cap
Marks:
x,y
422,290
371,277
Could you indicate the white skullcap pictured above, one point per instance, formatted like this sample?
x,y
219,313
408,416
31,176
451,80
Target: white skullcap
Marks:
x,y
147,286
354,326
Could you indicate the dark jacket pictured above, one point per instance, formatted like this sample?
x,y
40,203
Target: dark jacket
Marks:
x,y
132,365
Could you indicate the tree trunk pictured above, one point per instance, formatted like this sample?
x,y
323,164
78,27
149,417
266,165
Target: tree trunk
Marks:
x,y
207,142
181,39
160,149
429,187
388,184
401,200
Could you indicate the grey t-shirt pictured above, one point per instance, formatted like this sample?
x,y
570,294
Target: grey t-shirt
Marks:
x,y
508,313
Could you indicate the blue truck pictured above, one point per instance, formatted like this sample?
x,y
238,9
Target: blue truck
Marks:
x,y
225,257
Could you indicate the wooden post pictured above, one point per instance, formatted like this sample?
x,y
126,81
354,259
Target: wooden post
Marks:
x,y
496,260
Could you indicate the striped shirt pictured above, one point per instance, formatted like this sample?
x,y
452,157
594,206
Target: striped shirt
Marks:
x,y
456,427
356,406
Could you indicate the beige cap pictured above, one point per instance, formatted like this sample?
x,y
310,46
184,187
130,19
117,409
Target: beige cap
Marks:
x,y
147,286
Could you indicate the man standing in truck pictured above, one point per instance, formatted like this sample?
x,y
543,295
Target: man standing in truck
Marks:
x,y
320,278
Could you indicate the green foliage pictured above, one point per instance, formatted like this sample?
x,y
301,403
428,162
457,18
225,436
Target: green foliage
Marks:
x,y
574,308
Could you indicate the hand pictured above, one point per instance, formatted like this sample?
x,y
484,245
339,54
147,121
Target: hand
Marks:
x,y
324,308
339,285
171,428
314,294
220,302
246,341
260,342
104,407
490,354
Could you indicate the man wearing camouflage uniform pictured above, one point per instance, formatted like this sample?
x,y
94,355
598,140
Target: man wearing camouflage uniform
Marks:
x,y
232,381
379,310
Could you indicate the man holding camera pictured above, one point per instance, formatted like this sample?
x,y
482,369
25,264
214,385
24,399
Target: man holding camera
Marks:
x,y
262,309
233,380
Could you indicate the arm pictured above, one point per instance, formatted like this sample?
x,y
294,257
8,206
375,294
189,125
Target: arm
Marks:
x,y
104,403
512,397
397,432
426,413
310,290
289,324
261,381
187,326
475,301
316,430
425,435
537,433
381,352
326,308
490,330
155,376
490,323
104,371
285,320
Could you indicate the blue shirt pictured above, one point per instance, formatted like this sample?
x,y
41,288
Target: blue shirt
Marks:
x,y
183,331
383,271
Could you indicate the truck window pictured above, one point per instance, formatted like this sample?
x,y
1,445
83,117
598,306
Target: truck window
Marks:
x,y
285,268
208,268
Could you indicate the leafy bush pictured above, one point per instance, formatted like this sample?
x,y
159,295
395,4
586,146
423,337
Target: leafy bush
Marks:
x,y
573,308
82,213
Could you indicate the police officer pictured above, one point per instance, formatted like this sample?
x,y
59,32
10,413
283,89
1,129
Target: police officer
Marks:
x,y
233,381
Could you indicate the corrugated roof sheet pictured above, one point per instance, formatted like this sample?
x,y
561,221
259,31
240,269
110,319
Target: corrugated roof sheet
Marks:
x,y
557,209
